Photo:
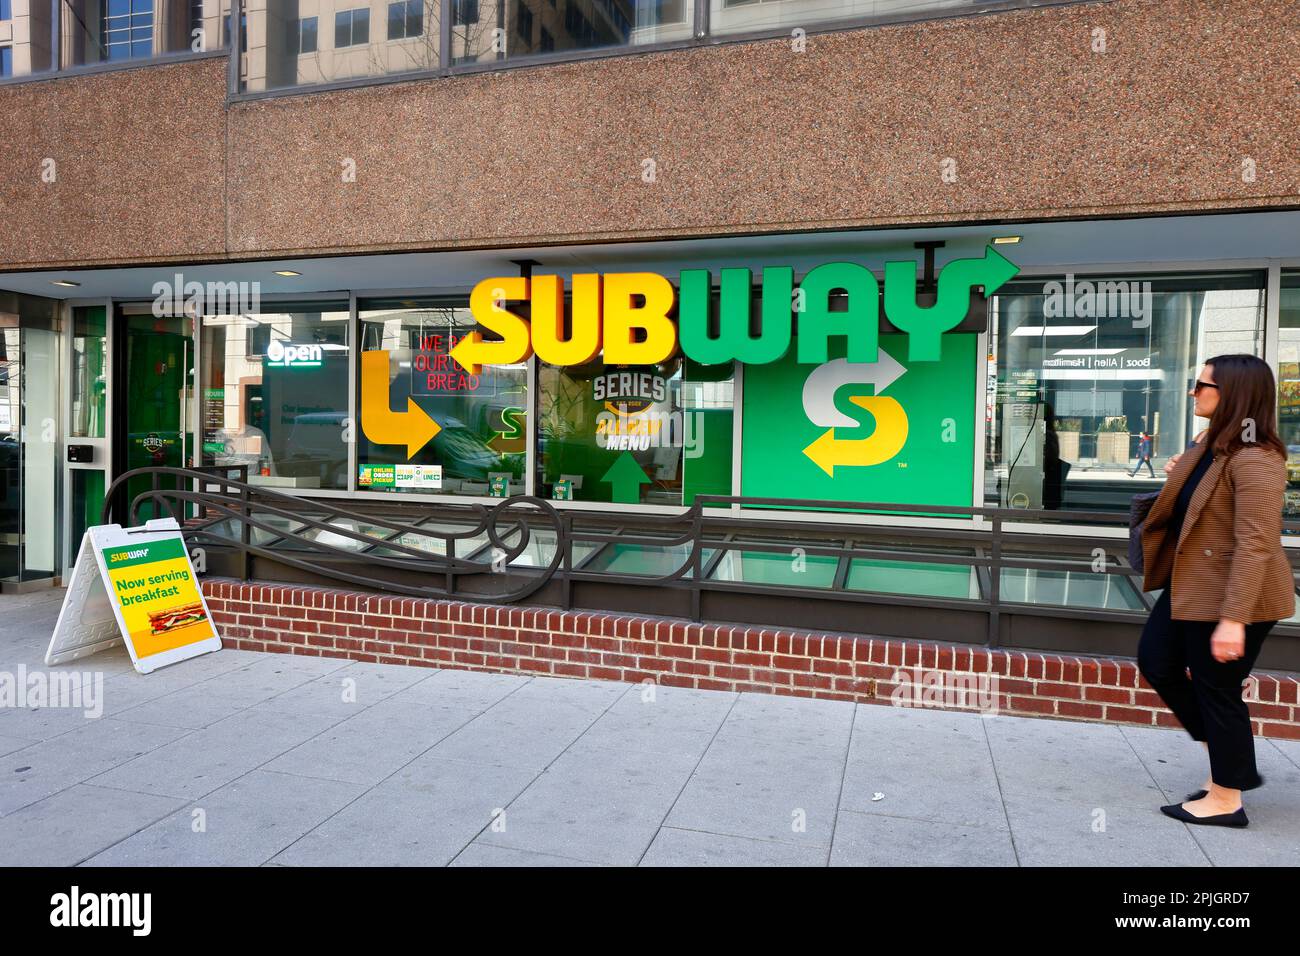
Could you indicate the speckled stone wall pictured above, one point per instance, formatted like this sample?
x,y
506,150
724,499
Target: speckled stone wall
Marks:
x,y
138,166
745,137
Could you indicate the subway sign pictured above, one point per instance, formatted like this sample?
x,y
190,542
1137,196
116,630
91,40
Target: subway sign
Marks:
x,y
628,316
844,396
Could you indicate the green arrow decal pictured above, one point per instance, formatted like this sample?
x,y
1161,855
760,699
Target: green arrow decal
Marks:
x,y
925,326
626,478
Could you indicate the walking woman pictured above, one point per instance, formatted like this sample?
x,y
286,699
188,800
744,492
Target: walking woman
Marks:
x,y
1212,541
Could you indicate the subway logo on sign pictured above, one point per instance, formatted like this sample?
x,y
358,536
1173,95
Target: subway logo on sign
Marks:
x,y
627,314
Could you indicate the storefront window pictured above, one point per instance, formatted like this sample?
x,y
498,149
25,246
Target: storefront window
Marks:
x,y
275,394
1082,367
657,434
89,382
426,424
29,410
1288,386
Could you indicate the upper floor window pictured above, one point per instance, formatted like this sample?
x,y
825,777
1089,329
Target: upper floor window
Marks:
x,y
351,27
243,32
128,29
301,36
6,12
524,17
6,61
405,19
464,12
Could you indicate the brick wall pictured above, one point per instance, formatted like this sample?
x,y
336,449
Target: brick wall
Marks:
x,y
394,630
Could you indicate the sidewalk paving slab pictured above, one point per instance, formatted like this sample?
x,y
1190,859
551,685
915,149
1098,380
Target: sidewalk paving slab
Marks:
x,y
424,815
244,823
76,823
425,766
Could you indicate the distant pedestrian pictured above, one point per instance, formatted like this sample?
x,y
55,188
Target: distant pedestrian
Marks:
x,y
1144,456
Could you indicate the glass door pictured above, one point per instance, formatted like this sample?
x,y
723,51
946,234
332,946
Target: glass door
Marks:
x,y
86,461
154,398
29,400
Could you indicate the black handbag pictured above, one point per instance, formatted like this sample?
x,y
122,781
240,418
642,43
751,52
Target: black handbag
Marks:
x,y
1138,510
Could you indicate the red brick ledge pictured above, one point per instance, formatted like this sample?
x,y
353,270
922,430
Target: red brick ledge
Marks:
x,y
361,626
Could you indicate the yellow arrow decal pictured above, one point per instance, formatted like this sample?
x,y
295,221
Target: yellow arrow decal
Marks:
x,y
379,423
471,353
881,445
486,303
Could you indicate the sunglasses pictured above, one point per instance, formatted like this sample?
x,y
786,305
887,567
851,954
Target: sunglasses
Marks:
x,y
1196,389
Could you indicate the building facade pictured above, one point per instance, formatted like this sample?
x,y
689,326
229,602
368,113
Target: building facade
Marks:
x,y
210,223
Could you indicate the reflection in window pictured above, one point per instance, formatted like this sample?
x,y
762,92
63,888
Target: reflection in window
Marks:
x,y
405,39
1086,365
1288,386
634,434
469,432
464,12
89,378
524,21
301,36
243,32
741,16
405,19
31,507
541,26
100,31
128,28
275,394
351,27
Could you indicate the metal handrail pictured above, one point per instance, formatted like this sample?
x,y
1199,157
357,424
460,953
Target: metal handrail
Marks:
x,y
238,501
711,524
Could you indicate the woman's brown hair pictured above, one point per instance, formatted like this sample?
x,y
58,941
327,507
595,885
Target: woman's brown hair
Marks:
x,y
1247,393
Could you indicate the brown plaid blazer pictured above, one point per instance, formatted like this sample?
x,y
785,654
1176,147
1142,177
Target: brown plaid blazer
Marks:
x,y
1228,561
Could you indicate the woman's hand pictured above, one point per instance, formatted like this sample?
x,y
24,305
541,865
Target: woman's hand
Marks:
x,y
1228,642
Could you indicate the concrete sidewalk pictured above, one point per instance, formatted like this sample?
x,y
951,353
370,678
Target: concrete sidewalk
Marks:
x,y
247,759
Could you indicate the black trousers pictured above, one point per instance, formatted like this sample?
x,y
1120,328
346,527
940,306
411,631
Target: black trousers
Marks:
x,y
1208,704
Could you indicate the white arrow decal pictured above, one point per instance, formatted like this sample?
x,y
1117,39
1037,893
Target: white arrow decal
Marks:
x,y
825,380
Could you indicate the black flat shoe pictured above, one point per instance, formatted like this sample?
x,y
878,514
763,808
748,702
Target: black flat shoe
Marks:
x,y
1235,819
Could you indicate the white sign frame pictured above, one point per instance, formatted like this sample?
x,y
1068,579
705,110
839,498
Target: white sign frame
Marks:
x,y
85,625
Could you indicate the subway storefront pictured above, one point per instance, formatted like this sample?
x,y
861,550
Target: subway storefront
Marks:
x,y
889,382
629,411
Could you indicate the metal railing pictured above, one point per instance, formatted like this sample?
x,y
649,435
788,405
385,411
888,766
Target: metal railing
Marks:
x,y
480,543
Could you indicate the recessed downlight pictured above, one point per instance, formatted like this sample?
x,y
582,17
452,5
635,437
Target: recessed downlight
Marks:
x,y
1005,240
287,272
65,283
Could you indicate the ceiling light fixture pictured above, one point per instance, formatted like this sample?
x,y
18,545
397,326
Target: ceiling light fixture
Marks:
x,y
287,272
1005,240
66,283
1038,330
